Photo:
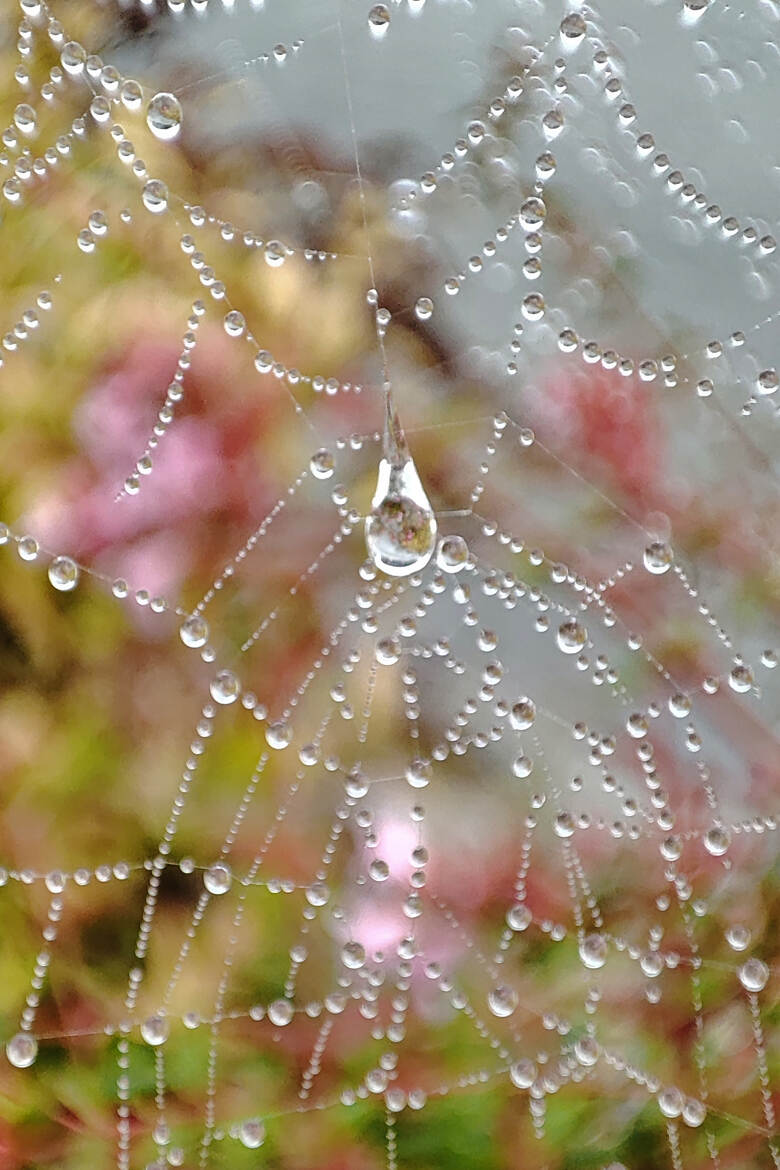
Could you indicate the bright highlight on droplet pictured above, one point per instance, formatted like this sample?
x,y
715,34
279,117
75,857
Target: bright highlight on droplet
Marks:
x,y
401,528
163,116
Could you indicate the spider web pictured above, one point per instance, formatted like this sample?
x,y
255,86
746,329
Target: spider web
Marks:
x,y
408,861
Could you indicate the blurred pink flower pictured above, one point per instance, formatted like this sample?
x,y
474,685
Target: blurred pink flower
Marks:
x,y
204,465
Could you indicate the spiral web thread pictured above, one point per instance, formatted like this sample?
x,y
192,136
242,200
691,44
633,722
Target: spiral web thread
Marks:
x,y
434,632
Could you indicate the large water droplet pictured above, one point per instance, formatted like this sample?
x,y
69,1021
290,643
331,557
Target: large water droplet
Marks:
x,y
64,574
163,116
379,20
401,528
251,1133
22,1050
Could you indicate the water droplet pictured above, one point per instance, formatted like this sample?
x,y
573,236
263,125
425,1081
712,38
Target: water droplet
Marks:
x,y
502,1000
64,574
163,116
680,705
379,20
571,637
658,557
234,323
22,1050
593,951
717,840
353,955
423,309
379,870
225,688
754,975
218,879
418,773
73,57
532,214
25,118
573,28
741,678
155,196
275,253
522,767
251,1133
694,1112
519,917
280,1012
586,1051
155,1030
27,548
194,631
523,714
452,554
767,382
278,735
522,1073
322,464
671,1101
401,528
738,937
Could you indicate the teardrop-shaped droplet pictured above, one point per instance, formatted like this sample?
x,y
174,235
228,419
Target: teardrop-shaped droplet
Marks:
x,y
401,528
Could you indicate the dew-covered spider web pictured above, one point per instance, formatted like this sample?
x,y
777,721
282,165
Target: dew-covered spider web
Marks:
x,y
388,726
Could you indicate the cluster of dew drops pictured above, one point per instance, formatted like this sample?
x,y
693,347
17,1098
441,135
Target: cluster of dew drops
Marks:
x,y
398,551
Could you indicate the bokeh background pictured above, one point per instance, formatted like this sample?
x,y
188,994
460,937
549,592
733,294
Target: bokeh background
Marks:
x,y
101,705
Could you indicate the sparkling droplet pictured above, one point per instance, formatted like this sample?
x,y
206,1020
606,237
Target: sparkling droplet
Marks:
x,y
694,1112
741,678
522,1073
573,28
25,118
163,116
322,464
353,955
401,528
155,196
275,254
27,548
155,1030
225,688
22,1050
418,773
73,57
658,557
379,20
738,937
452,554
767,382
671,1101
194,631
278,735
251,1133
280,1012
523,714
502,1000
218,879
571,637
532,214
586,1051
519,917
717,840
423,309
64,574
754,975
593,951
379,870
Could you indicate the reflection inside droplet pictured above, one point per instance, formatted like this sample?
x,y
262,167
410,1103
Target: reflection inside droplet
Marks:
x,y
401,528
